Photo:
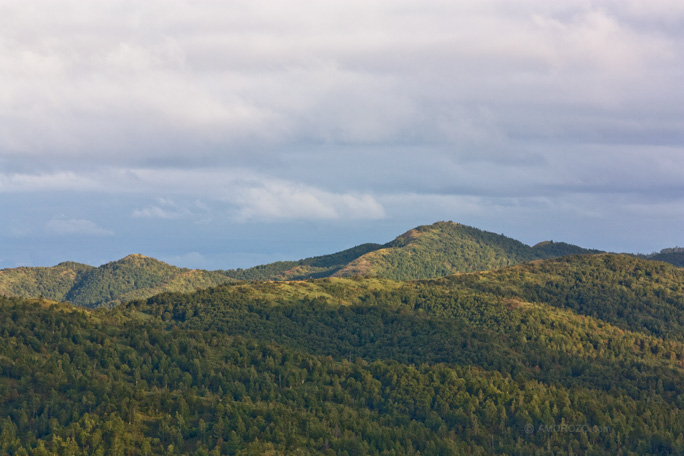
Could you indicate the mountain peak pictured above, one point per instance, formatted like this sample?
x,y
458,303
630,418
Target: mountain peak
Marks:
x,y
445,248
137,259
415,233
136,256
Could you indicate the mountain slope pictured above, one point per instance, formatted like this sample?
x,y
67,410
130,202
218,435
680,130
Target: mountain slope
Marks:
x,y
517,361
133,277
425,252
507,319
309,268
674,255
445,248
550,249
628,292
137,276
52,282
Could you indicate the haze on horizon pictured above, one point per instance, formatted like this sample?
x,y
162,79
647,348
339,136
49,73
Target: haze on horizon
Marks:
x,y
228,134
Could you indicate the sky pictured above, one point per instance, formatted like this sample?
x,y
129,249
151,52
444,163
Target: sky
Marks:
x,y
225,134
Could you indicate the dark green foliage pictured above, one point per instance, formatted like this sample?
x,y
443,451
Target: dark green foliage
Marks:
x,y
310,268
533,359
628,292
550,249
674,256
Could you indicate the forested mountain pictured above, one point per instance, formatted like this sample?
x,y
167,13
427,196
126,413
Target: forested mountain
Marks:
x,y
135,276
550,249
445,248
138,276
428,251
554,357
309,268
625,291
673,255
424,252
53,282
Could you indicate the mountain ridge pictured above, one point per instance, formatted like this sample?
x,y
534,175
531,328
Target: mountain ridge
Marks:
x,y
426,251
672,255
445,248
133,277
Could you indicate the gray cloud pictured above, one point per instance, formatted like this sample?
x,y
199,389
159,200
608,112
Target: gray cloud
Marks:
x,y
249,195
283,200
106,82
68,226
255,112
167,209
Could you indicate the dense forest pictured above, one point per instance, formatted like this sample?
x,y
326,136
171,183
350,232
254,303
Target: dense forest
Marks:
x,y
672,255
445,248
309,268
579,355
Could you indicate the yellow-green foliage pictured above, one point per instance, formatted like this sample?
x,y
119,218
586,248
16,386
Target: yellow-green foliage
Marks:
x,y
309,268
133,277
425,252
447,248
54,282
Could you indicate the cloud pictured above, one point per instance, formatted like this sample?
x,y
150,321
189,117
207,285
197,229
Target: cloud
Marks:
x,y
242,113
48,181
102,83
64,226
348,183
201,194
287,201
249,196
157,212
165,209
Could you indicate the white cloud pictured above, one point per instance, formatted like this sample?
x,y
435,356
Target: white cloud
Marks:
x,y
156,212
246,194
288,201
112,81
65,226
165,209
46,181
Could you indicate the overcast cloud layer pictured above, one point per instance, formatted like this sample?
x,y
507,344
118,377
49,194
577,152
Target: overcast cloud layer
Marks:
x,y
223,134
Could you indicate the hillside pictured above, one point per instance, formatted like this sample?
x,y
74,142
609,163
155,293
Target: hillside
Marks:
x,y
132,277
445,248
424,252
309,268
550,249
530,359
53,282
138,276
633,294
674,255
